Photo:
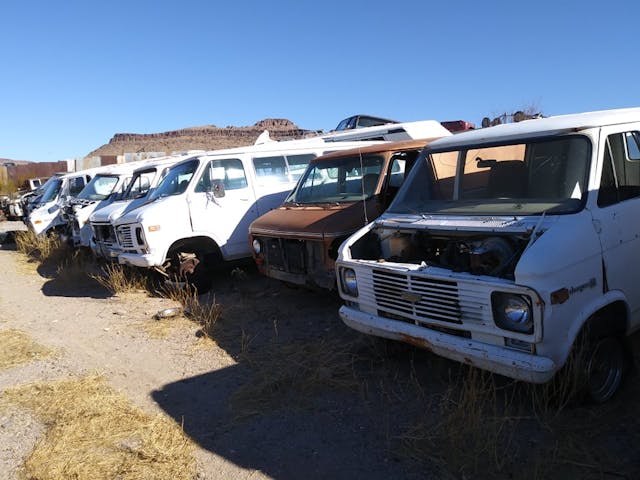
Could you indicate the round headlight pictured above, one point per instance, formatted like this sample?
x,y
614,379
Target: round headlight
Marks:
x,y
349,282
256,246
512,312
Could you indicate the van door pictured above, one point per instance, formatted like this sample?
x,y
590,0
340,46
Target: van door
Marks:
x,y
618,208
400,166
224,213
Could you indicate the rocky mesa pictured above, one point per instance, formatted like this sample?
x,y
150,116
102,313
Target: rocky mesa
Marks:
x,y
208,137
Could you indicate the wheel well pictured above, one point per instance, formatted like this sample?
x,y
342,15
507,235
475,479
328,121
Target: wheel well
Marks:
x,y
609,320
202,245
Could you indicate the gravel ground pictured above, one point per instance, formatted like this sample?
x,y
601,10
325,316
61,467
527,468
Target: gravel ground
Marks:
x,y
287,391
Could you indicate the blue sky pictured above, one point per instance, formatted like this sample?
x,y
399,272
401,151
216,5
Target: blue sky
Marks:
x,y
73,73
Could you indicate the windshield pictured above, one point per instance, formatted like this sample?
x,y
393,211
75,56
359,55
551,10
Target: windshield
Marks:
x,y
99,188
140,184
52,191
523,179
346,179
177,180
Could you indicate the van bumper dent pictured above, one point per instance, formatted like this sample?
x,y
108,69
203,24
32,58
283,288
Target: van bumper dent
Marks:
x,y
500,360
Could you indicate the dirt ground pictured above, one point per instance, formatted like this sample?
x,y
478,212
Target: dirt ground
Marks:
x,y
286,391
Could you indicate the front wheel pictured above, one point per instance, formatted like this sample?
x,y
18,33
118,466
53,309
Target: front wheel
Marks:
x,y
193,268
605,365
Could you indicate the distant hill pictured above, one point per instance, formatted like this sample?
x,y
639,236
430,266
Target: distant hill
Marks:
x,y
208,137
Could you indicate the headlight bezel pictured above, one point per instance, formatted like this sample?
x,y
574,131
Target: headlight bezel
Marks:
x,y
257,246
513,312
349,281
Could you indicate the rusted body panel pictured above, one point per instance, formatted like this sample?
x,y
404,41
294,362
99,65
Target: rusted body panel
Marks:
x,y
299,241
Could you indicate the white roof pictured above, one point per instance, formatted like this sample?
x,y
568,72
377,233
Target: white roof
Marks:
x,y
167,160
540,127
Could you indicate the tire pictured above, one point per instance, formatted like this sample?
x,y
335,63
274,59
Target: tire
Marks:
x,y
604,365
201,278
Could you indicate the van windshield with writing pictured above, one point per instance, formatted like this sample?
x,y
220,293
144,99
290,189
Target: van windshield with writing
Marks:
x,y
520,179
346,179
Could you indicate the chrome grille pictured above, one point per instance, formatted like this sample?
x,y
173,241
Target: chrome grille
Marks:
x,y
416,296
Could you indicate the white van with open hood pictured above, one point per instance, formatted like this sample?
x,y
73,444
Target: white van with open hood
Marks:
x,y
509,247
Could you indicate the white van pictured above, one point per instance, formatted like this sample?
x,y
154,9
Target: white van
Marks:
x,y
507,248
45,216
145,179
201,211
108,185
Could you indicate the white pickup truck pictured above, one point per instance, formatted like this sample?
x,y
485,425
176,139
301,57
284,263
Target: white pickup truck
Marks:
x,y
145,179
200,213
510,247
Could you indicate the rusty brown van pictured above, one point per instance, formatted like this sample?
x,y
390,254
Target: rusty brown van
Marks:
x,y
338,194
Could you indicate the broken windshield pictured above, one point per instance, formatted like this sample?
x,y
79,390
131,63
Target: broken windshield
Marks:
x,y
520,179
346,179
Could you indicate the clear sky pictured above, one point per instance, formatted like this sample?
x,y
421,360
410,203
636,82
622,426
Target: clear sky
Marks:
x,y
73,73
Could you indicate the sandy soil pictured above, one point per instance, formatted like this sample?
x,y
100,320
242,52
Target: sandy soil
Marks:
x,y
256,409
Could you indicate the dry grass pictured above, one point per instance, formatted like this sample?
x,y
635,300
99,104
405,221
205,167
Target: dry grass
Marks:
x,y
291,375
41,248
485,426
75,268
164,328
201,309
94,432
119,279
470,428
17,347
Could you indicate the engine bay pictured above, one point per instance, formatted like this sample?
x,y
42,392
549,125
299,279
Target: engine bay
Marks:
x,y
477,253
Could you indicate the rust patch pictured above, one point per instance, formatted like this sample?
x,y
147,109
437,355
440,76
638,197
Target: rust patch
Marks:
x,y
468,361
416,342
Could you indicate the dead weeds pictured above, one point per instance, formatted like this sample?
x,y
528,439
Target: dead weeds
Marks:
x,y
201,309
46,250
120,279
293,374
17,348
95,432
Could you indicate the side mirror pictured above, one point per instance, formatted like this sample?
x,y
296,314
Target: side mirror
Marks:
x,y
217,187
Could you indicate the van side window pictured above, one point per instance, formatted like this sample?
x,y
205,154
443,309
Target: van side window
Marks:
x,y
298,164
76,185
620,179
281,169
271,169
231,168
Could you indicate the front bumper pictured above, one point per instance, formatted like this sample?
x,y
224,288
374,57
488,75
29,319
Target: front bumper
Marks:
x,y
500,360
103,251
147,260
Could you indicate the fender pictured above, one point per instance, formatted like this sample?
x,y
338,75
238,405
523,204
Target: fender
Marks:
x,y
592,308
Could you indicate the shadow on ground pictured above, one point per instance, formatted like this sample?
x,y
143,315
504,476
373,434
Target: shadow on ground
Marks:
x,y
390,411
8,240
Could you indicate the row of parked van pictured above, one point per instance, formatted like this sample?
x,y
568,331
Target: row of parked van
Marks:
x,y
510,248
